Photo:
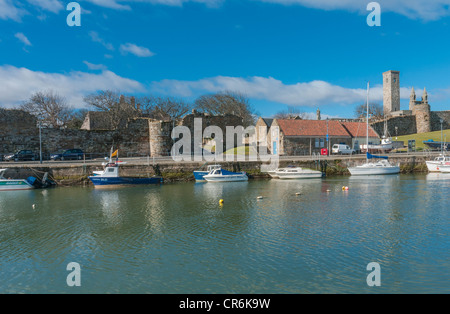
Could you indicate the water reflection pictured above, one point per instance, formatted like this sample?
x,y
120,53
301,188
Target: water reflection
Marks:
x,y
303,236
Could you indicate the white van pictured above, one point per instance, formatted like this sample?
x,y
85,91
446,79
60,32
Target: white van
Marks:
x,y
342,149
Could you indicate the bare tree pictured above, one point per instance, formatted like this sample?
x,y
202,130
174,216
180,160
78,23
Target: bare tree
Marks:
x,y
118,108
76,118
290,113
163,108
375,111
227,103
50,108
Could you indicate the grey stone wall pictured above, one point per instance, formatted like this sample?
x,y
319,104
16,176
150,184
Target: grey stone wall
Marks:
x,y
436,116
405,125
18,130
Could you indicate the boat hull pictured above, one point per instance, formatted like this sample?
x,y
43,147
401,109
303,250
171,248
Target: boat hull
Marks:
x,y
226,178
300,176
433,166
15,185
364,171
104,182
444,168
199,175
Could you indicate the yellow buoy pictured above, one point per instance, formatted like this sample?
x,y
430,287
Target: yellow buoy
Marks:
x,y
221,202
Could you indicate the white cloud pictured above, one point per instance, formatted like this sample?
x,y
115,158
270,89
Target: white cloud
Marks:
x,y
18,84
422,9
10,12
96,38
54,6
23,39
136,50
414,9
309,94
114,4
92,66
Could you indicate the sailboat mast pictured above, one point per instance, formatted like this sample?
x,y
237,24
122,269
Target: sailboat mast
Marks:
x,y
367,131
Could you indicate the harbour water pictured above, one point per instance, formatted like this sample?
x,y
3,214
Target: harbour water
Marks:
x,y
177,238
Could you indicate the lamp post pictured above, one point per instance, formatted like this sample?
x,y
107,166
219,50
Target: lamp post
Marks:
x,y
40,140
396,132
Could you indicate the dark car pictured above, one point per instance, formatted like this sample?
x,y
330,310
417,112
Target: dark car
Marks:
x,y
21,155
70,154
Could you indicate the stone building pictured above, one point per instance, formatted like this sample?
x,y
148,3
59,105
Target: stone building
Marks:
x,y
418,119
305,137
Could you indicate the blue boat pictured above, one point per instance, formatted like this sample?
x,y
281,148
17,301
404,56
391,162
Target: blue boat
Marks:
x,y
437,145
199,174
110,177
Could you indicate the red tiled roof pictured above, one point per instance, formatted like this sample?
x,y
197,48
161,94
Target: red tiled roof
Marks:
x,y
312,128
359,129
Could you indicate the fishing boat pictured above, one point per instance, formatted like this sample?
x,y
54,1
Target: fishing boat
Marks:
x,y
221,175
110,176
434,165
374,168
15,184
199,174
290,173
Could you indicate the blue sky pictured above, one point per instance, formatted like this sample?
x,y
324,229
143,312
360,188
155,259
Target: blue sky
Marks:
x,y
279,53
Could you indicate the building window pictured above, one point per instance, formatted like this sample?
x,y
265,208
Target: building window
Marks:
x,y
320,143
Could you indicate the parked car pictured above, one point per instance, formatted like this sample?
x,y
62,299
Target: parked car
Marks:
x,y
342,149
21,155
70,154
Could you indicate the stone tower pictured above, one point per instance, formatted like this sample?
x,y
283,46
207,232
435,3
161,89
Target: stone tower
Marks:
x,y
391,91
422,111
412,99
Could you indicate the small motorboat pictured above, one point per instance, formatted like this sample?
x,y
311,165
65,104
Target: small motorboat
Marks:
x,y
221,175
434,165
199,174
110,176
15,184
297,173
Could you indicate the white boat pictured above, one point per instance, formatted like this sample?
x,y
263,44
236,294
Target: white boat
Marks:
x,y
445,168
13,184
273,173
220,175
434,165
297,173
374,168
199,174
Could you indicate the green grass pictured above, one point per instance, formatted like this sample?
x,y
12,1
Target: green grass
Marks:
x,y
241,150
435,136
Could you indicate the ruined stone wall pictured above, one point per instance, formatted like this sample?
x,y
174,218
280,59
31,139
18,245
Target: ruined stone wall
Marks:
x,y
405,125
18,130
160,138
221,121
436,116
